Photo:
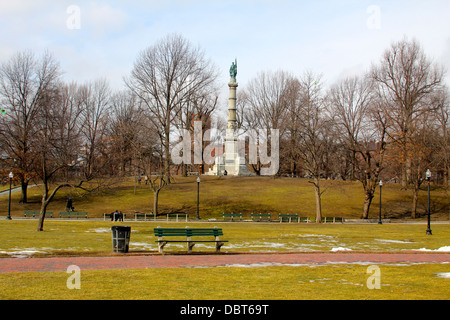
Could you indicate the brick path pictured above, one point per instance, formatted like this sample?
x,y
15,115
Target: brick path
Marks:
x,y
8,265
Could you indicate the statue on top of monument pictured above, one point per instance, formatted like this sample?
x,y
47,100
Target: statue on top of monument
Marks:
x,y
233,70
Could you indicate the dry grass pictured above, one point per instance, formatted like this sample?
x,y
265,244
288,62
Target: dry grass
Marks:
x,y
242,195
349,282
94,237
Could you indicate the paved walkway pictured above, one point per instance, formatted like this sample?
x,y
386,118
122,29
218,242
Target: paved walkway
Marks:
x,y
8,265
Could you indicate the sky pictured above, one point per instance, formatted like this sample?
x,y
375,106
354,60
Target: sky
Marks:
x,y
339,38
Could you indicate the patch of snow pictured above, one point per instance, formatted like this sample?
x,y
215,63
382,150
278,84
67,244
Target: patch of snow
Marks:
x,y
99,230
315,236
22,253
443,275
141,244
392,241
441,249
265,264
340,249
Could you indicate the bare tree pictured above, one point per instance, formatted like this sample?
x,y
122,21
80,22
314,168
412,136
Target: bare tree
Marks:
x,y
57,133
405,77
312,131
200,107
125,126
23,81
266,96
165,76
441,100
361,125
293,126
95,103
265,103
349,101
371,151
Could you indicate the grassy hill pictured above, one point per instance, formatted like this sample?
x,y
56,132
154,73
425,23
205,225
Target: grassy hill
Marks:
x,y
240,195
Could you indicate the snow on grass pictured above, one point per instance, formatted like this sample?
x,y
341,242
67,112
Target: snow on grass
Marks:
x,y
22,253
340,249
441,249
266,264
443,275
392,241
99,230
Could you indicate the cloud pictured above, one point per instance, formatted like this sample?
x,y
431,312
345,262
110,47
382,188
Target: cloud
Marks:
x,y
102,19
329,37
21,6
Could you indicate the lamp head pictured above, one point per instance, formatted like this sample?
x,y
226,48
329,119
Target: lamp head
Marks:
x,y
11,175
428,174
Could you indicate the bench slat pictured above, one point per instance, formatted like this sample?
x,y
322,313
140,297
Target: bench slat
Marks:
x,y
37,213
73,214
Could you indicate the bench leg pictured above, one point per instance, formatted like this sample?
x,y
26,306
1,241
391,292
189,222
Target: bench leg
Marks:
x,y
161,246
190,246
219,245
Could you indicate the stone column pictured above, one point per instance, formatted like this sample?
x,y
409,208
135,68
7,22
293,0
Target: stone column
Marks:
x,y
232,120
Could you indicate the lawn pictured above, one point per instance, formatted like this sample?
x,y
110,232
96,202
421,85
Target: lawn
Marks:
x,y
349,282
20,238
93,238
240,195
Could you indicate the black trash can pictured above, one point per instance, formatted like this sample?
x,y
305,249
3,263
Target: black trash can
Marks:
x,y
120,238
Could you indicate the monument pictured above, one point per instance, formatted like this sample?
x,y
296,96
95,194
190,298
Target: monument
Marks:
x,y
233,160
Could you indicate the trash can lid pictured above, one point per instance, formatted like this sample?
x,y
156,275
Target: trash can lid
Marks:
x,y
120,228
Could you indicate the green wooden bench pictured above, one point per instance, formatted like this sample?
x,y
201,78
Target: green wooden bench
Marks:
x,y
232,216
144,216
176,216
188,233
73,214
35,214
261,216
305,219
332,219
288,218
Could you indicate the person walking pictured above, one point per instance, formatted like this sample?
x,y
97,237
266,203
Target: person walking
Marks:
x,y
69,205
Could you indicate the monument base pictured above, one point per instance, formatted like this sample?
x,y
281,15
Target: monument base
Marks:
x,y
224,167
231,163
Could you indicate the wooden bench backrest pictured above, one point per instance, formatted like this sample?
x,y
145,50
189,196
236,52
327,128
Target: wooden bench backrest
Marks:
x,y
187,232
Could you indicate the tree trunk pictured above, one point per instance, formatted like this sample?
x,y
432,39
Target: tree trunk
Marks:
x,y
293,168
368,197
447,176
167,156
403,181
42,214
155,202
415,200
318,200
23,197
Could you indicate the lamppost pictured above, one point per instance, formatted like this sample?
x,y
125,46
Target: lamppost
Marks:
x,y
428,175
11,176
198,197
381,187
